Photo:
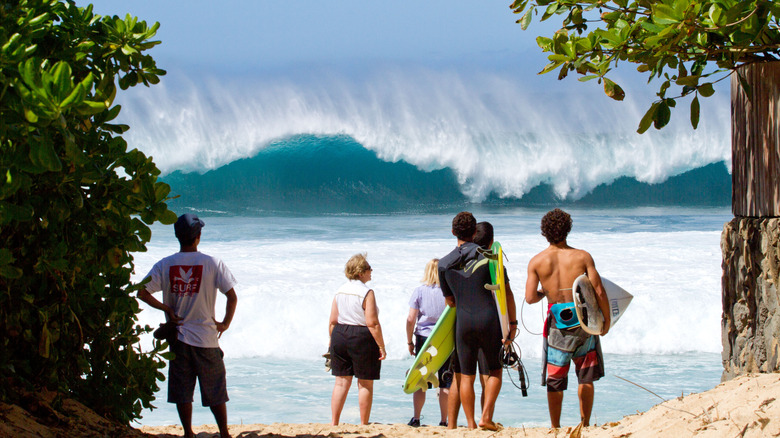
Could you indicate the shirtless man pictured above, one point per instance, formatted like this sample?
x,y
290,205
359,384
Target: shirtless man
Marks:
x,y
556,268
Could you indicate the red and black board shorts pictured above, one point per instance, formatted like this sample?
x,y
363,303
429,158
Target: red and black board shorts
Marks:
x,y
567,345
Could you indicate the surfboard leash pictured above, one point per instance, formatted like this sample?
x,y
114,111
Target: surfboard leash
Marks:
x,y
510,360
522,320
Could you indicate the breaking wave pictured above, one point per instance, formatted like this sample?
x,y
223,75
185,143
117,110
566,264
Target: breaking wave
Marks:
x,y
403,138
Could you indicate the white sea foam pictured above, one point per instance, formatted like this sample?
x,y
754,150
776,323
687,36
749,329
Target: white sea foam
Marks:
x,y
499,133
289,268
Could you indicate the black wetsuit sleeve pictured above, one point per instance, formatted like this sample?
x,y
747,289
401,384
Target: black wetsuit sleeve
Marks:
x,y
445,287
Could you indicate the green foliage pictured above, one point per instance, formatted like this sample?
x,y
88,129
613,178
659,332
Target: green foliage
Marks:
x,y
686,44
74,205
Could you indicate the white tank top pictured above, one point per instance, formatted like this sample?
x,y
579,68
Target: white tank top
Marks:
x,y
349,302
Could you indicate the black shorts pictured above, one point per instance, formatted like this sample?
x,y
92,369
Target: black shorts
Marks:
x,y
353,352
471,341
206,365
482,363
444,374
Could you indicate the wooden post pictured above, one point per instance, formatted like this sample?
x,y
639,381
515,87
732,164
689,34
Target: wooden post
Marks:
x,y
755,141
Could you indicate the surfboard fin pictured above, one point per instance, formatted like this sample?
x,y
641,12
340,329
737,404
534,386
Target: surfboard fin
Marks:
x,y
433,380
488,253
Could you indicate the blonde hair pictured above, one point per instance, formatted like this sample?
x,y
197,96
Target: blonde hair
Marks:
x,y
431,276
356,265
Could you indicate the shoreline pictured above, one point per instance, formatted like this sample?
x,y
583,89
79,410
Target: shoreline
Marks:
x,y
746,406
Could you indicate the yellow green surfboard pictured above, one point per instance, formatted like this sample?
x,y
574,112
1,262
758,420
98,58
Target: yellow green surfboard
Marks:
x,y
499,286
434,352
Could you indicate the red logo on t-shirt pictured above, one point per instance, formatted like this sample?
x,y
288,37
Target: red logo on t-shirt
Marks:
x,y
185,280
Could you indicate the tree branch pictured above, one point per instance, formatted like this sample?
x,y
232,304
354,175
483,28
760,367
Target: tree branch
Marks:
x,y
731,24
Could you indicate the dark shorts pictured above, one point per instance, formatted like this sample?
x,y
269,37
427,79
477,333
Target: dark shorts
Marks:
x,y
479,339
564,346
205,365
353,352
482,364
445,373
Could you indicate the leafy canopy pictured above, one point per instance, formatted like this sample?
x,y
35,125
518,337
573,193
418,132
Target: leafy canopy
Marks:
x,y
686,44
74,204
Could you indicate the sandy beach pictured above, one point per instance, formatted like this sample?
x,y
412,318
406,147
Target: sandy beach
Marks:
x,y
748,406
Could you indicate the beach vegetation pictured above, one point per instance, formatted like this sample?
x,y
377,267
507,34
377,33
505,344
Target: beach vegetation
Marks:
x,y
687,46
75,202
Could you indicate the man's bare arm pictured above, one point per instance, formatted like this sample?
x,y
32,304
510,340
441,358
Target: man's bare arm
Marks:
x,y
149,299
230,310
450,300
511,311
532,295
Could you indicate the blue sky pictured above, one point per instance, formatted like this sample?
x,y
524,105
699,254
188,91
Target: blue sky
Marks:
x,y
356,38
272,35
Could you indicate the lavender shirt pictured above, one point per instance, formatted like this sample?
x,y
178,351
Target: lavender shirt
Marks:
x,y
429,300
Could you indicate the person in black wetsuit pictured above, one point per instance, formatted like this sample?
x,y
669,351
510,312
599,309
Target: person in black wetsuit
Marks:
x,y
484,238
463,274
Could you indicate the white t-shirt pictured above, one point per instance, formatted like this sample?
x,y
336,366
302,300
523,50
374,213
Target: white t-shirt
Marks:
x,y
349,302
189,282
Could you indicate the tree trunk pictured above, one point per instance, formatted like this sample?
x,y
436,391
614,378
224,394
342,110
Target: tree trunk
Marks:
x,y
751,241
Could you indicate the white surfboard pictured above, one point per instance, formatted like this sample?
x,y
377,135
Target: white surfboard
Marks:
x,y
587,308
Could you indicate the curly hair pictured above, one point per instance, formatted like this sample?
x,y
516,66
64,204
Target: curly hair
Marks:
x,y
464,226
356,265
556,225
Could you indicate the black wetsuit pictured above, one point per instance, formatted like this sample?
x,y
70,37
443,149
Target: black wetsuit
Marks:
x,y
463,274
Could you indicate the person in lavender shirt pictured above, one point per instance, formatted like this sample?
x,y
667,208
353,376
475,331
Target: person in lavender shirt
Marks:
x,y
425,307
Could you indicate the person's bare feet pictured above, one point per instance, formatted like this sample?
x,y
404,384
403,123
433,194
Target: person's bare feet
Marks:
x,y
489,425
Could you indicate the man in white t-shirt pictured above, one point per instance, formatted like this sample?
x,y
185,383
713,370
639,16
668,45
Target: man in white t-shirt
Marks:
x,y
189,281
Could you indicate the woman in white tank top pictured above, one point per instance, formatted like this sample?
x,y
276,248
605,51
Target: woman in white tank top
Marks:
x,y
356,345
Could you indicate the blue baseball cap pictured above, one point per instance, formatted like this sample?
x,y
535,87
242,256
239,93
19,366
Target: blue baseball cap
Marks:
x,y
188,226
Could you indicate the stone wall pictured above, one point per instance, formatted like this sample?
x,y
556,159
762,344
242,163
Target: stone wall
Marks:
x,y
751,304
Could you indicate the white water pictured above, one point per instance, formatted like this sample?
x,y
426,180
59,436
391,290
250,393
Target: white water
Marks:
x,y
499,132
289,268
